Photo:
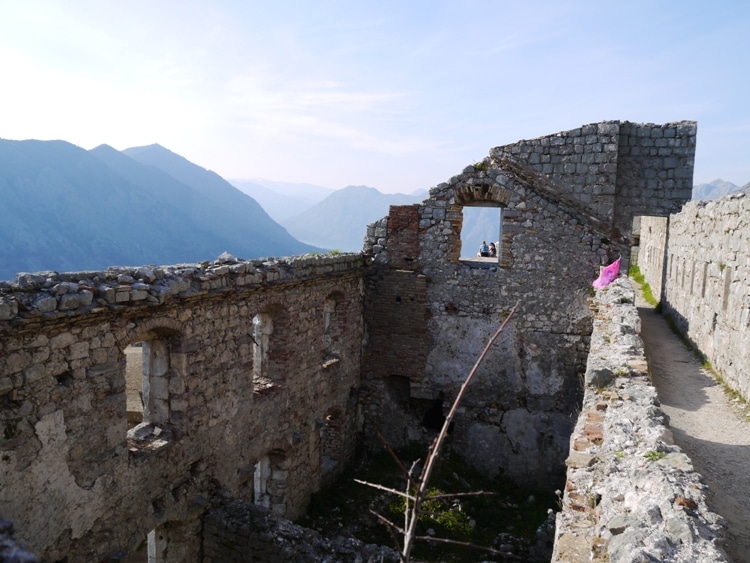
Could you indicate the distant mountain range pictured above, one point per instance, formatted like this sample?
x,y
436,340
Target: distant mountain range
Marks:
x,y
340,220
282,200
715,190
67,209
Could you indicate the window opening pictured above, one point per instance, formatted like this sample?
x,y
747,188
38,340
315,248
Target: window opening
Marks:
x,y
157,546
261,496
330,441
262,330
481,234
134,383
270,348
333,329
146,387
270,482
148,408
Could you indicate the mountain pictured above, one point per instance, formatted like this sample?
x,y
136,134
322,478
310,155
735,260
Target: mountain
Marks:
x,y
282,200
713,190
340,220
67,209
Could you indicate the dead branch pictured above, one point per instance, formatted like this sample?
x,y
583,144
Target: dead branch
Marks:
x,y
469,544
412,516
407,496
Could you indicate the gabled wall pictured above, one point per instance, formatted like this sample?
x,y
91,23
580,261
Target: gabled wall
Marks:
x,y
562,199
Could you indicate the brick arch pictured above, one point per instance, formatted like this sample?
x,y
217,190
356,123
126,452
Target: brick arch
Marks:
x,y
148,328
482,194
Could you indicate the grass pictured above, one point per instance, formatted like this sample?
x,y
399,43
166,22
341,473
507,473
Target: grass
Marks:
x,y
478,520
635,273
731,393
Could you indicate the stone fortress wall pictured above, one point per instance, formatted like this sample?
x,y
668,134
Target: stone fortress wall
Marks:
x,y
259,378
698,265
265,413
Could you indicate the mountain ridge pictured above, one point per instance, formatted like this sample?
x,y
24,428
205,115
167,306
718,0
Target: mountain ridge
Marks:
x,y
68,209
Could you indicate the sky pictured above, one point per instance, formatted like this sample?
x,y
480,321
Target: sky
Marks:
x,y
399,95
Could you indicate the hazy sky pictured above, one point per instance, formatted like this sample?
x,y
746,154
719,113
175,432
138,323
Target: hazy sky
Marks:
x,y
398,95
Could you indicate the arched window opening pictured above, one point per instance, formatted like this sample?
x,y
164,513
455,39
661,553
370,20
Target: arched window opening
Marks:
x,y
134,383
333,328
262,331
330,442
261,495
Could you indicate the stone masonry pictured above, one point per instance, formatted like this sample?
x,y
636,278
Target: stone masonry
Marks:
x,y
700,269
77,484
567,203
630,493
260,378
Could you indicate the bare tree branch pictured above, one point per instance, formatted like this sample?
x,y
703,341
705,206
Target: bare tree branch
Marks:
x,y
387,489
452,495
413,515
390,526
469,544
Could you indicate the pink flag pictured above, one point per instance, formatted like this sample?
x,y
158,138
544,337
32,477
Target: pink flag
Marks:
x,y
607,275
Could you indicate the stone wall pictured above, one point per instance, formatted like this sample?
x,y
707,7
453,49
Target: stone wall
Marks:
x,y
651,252
224,413
630,493
566,210
617,169
707,281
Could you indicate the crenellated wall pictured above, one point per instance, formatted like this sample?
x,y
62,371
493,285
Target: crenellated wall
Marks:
x,y
77,483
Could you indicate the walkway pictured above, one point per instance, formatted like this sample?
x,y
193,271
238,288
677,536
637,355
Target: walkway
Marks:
x,y
707,425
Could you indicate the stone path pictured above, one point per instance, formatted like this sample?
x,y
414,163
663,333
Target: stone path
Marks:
x,y
707,425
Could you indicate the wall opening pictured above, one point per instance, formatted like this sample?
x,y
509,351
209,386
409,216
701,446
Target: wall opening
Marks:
x,y
150,380
333,328
270,482
330,441
270,348
134,383
481,230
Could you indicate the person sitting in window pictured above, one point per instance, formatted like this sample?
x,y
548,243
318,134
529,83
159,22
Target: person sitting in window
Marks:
x,y
493,250
484,249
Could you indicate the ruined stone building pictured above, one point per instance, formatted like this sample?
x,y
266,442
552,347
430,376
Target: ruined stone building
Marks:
x,y
257,380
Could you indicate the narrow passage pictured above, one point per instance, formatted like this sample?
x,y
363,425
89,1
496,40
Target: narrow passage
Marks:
x,y
706,423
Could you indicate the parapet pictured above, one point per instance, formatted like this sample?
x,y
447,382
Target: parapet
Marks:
x,y
51,293
630,493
